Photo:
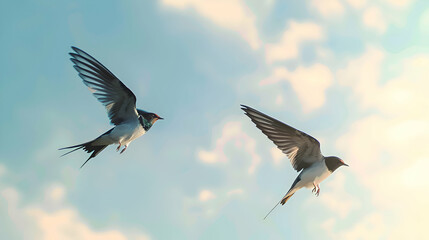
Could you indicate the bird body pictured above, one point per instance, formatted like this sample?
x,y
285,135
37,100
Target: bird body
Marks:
x,y
124,133
302,149
314,174
308,178
130,122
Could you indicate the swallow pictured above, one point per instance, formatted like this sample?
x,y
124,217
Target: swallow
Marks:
x,y
129,122
302,150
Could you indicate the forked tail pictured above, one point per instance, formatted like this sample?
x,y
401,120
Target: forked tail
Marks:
x,y
271,210
88,147
285,198
283,201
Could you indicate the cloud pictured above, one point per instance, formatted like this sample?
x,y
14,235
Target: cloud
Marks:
x,y
277,155
336,197
55,193
279,99
209,203
210,157
401,96
289,46
35,221
387,148
206,195
371,227
400,135
406,95
413,175
235,16
363,83
328,8
232,134
309,83
66,224
399,3
235,192
373,18
358,4
424,23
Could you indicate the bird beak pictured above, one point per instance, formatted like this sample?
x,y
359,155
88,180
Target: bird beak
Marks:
x,y
345,164
160,118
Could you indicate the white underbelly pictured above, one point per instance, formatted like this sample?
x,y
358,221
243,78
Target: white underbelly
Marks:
x,y
315,174
125,133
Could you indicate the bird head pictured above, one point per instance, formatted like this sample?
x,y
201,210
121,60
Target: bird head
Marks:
x,y
334,162
150,117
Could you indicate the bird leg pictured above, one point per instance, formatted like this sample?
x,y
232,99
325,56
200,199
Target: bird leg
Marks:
x,y
316,189
125,147
117,149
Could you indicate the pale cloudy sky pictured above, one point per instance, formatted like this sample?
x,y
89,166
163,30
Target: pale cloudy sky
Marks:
x,y
352,73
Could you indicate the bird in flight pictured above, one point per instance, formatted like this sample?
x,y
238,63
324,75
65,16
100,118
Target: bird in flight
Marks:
x,y
130,122
302,150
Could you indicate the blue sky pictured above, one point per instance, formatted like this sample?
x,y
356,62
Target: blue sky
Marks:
x,y
351,73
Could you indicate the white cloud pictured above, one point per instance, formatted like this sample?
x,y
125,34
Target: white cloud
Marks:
x,y
374,19
279,99
277,155
209,203
235,192
66,224
209,157
414,176
399,3
424,23
328,8
55,193
335,196
363,82
358,4
406,95
309,83
232,134
402,96
230,14
387,148
34,221
371,227
206,195
289,46
324,53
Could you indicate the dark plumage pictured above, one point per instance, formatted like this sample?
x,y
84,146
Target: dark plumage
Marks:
x,y
301,148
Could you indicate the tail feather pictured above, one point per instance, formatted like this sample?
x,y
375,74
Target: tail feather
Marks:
x,y
77,147
283,201
271,210
96,150
87,147
285,198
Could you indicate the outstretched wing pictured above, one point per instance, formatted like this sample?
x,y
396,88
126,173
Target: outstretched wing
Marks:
x,y
119,101
301,148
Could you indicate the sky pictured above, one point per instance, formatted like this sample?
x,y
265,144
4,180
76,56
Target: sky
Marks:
x,y
351,73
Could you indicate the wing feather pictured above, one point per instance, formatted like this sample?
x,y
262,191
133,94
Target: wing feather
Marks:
x,y
118,100
301,148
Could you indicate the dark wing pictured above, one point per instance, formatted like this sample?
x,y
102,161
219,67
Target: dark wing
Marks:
x,y
301,148
119,101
